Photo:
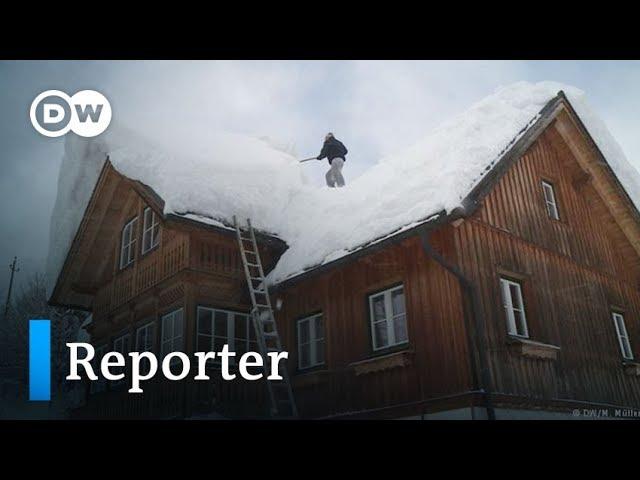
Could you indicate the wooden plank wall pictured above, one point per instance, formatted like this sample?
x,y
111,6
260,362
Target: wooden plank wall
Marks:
x,y
437,341
574,270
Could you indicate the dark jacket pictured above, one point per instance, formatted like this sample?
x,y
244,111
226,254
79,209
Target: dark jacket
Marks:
x,y
332,148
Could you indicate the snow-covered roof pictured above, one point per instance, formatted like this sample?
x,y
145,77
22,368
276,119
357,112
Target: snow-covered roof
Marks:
x,y
212,176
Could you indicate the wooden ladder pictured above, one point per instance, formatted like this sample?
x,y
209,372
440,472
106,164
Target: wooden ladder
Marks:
x,y
281,398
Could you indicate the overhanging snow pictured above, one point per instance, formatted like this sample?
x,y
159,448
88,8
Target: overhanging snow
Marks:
x,y
216,176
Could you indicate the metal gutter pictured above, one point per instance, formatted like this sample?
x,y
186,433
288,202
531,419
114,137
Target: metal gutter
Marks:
x,y
373,246
474,326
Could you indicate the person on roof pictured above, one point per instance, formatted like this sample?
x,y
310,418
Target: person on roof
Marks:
x,y
334,151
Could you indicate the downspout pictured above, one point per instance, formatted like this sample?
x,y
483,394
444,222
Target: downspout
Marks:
x,y
474,325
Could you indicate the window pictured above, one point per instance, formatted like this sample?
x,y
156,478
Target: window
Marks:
x,y
99,385
128,243
150,230
120,345
144,338
171,333
514,308
550,200
310,342
144,343
623,337
219,327
388,318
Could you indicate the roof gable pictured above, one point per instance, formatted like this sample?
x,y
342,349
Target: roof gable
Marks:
x,y
560,115
63,293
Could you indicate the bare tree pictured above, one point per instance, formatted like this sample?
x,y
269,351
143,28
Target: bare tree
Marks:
x,y
31,303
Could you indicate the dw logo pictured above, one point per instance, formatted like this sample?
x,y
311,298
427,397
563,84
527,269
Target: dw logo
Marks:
x,y
87,113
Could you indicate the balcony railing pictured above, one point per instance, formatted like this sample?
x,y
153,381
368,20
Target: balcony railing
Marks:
x,y
144,274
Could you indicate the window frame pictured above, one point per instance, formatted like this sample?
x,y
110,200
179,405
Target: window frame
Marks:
x,y
125,336
230,337
623,337
552,202
99,385
155,221
390,321
146,326
512,327
313,341
131,245
172,340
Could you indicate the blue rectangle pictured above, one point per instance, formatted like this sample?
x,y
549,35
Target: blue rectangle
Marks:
x,y
40,360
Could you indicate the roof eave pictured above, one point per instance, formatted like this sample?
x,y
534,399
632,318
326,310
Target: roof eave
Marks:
x,y
441,218
261,237
545,117
582,127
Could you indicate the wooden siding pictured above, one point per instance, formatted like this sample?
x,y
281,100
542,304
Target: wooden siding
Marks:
x,y
147,272
191,266
433,364
573,272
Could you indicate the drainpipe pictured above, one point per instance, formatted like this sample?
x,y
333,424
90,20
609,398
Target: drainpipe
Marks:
x,y
474,325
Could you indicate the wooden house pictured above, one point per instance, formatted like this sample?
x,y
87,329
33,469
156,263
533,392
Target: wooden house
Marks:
x,y
522,303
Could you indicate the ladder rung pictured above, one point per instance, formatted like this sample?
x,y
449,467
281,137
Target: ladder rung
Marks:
x,y
282,400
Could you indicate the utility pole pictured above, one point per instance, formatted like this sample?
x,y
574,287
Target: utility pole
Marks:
x,y
13,269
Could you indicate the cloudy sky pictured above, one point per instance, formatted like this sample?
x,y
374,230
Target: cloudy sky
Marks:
x,y
374,107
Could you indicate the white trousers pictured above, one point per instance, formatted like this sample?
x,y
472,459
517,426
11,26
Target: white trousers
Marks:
x,y
334,175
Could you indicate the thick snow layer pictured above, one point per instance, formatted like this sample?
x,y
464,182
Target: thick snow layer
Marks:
x,y
200,174
211,177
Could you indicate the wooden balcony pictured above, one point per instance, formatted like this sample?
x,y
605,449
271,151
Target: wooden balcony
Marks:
x,y
203,253
219,256
146,272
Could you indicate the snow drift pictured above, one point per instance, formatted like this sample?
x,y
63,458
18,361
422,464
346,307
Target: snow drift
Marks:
x,y
212,177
